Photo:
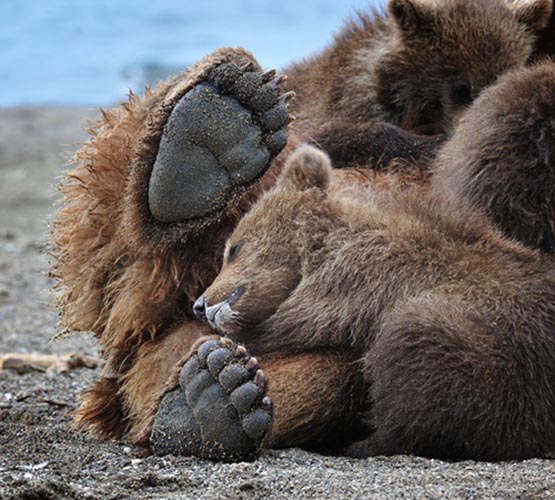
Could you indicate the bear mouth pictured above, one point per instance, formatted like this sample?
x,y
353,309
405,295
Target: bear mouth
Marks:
x,y
221,318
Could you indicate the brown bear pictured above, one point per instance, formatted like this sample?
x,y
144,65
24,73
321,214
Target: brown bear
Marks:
x,y
525,207
454,322
148,208
418,69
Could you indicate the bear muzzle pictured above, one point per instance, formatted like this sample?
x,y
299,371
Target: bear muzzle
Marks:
x,y
219,316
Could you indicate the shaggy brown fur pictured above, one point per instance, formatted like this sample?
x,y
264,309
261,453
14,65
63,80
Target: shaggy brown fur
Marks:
x,y
508,172
418,67
455,322
322,410
122,274
131,280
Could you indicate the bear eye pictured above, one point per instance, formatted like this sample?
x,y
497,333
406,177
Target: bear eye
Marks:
x,y
233,251
460,93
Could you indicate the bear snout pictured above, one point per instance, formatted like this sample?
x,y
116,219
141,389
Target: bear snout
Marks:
x,y
220,315
199,307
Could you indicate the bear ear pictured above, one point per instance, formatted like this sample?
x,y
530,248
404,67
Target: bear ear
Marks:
x,y
534,14
411,15
306,168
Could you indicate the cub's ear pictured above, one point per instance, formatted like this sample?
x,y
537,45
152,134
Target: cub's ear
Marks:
x,y
534,14
306,168
411,15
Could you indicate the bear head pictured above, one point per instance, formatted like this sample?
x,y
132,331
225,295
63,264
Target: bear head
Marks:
x,y
263,258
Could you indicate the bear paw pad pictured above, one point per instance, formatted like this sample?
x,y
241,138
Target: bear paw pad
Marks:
x,y
220,137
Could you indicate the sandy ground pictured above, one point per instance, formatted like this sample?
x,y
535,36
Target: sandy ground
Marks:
x,y
41,457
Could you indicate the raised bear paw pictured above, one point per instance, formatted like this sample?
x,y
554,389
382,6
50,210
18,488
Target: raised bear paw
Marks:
x,y
220,138
219,410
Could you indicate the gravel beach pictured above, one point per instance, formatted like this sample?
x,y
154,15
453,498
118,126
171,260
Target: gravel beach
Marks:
x,y
42,457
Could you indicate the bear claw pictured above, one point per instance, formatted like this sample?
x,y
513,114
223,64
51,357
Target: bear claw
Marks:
x,y
219,138
219,410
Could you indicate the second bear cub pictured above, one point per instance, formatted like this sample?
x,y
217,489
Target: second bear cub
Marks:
x,y
417,67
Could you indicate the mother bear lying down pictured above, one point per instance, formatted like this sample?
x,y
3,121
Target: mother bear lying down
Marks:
x,y
454,322
131,277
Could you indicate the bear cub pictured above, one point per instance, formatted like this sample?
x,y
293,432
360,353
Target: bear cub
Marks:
x,y
418,66
454,322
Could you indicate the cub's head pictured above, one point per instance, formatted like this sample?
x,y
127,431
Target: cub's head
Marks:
x,y
263,258
442,53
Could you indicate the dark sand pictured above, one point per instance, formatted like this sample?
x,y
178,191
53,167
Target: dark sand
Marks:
x,y
41,457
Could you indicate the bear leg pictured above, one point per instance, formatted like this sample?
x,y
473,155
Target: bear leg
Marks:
x,y
446,382
127,276
376,145
156,192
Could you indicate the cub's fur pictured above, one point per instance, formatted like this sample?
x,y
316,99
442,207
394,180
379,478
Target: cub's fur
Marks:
x,y
417,67
501,157
455,323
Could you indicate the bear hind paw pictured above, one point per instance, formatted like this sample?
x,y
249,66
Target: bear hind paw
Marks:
x,y
220,137
219,410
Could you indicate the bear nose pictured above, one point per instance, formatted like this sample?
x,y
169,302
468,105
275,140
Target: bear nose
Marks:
x,y
199,307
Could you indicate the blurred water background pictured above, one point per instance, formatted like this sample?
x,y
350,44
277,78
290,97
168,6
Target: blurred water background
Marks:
x,y
91,52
